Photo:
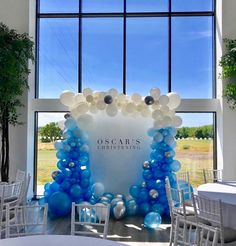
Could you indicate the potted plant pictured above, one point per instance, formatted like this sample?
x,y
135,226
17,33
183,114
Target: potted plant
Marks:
x,y
15,52
228,64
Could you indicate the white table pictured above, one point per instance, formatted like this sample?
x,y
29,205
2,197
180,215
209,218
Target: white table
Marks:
x,y
226,192
57,240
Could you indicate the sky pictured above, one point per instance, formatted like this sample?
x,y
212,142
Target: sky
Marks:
x,y
147,50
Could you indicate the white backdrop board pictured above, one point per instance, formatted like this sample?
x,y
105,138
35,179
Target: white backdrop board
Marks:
x,y
118,147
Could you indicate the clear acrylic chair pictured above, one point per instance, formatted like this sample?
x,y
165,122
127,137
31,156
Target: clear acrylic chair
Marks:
x,y
28,220
212,176
193,233
90,220
24,190
211,211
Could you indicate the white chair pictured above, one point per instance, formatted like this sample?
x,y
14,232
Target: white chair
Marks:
x,y
90,219
183,183
28,220
177,207
211,211
20,176
24,190
193,233
212,176
10,195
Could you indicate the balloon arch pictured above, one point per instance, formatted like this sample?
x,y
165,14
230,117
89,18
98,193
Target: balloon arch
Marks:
x,y
72,181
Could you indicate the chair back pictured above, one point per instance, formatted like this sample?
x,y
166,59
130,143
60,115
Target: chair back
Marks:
x,y
193,233
212,176
208,209
28,220
24,190
175,198
11,193
183,183
20,176
90,219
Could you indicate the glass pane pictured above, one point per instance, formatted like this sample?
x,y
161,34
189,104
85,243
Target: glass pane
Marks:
x,y
46,153
147,6
192,5
147,54
192,61
58,56
195,141
103,6
102,53
59,6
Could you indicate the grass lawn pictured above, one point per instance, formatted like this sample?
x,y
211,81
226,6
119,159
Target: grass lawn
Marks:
x,y
194,155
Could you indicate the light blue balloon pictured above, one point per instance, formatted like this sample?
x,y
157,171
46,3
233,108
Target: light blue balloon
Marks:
x,y
158,137
70,123
58,145
97,189
152,220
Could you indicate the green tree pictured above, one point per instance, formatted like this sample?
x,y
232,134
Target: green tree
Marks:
x,y
15,52
51,131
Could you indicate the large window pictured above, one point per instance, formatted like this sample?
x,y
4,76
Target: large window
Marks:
x,y
130,45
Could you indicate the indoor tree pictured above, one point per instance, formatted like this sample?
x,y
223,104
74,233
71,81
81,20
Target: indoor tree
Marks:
x,y
15,52
228,64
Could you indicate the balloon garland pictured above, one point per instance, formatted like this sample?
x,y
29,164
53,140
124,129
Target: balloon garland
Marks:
x,y
71,182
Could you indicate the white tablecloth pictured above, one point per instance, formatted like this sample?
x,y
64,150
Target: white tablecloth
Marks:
x,y
226,192
57,240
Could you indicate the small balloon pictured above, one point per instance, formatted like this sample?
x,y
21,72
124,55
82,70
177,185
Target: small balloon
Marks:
x,y
108,99
153,193
67,98
146,165
152,220
149,100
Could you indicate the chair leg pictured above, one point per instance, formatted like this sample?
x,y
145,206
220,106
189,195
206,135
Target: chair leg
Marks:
x,y
172,232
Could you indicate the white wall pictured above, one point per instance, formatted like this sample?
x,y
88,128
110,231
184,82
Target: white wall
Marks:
x,y
229,116
15,14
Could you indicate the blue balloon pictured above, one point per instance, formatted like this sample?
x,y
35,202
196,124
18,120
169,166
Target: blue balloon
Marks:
x,y
58,145
147,174
97,189
144,208
70,123
134,191
152,220
159,208
75,191
175,166
131,207
59,204
84,183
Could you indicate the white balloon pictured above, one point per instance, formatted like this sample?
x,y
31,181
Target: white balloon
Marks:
x,y
140,107
157,114
136,98
111,110
146,112
167,121
155,93
89,98
87,91
113,92
67,98
163,100
130,108
177,121
82,108
174,100
101,105
164,109
79,98
121,98
93,108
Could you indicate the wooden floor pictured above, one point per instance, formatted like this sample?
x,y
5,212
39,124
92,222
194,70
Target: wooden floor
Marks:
x,y
129,231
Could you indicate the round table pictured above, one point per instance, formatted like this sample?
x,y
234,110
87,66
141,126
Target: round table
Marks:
x,y
57,240
226,192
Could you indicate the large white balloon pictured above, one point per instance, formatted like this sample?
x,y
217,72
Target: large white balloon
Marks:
x,y
174,100
177,121
136,98
155,93
87,92
111,110
79,98
82,108
113,92
163,100
67,98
